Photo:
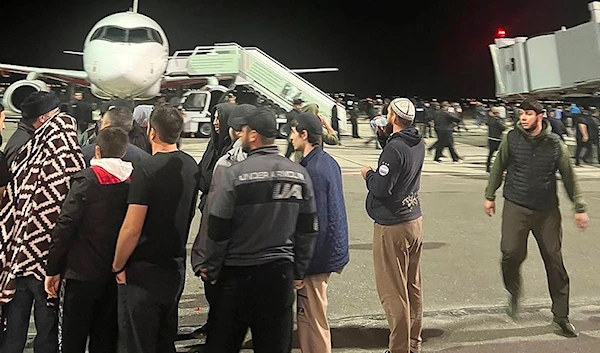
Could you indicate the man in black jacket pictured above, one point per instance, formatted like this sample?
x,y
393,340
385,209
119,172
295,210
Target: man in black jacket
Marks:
x,y
83,246
254,262
393,204
290,117
531,155
495,130
444,122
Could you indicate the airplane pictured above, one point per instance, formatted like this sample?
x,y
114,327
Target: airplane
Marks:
x,y
125,56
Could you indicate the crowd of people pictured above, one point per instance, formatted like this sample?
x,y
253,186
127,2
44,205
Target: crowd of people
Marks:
x,y
94,229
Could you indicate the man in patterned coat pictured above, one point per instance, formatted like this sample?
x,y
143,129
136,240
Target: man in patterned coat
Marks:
x,y
41,172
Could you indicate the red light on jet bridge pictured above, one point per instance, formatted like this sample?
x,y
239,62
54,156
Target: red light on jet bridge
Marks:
x,y
500,33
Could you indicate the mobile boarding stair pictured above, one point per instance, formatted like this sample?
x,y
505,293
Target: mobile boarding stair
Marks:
x,y
255,70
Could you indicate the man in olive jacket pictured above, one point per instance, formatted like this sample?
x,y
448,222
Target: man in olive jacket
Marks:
x,y
530,154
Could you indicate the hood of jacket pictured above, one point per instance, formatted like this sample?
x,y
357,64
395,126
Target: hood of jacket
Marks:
x,y
409,135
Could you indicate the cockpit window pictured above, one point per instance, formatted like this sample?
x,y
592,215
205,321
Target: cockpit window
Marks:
x,y
114,34
127,35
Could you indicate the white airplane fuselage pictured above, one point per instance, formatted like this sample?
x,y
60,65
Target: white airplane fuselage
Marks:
x,y
125,56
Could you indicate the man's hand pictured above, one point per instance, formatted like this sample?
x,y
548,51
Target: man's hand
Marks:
x,y
490,207
364,171
298,284
204,275
51,285
121,278
582,221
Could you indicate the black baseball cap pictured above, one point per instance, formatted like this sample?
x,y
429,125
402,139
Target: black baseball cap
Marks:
x,y
237,118
260,119
298,101
310,123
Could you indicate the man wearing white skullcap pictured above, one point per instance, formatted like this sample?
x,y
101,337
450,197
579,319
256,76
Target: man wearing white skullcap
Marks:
x,y
393,204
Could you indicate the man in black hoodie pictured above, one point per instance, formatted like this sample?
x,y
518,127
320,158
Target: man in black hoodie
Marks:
x,y
393,203
83,247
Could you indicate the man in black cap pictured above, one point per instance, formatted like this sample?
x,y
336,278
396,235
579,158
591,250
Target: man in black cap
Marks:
x,y
252,261
37,108
530,154
298,102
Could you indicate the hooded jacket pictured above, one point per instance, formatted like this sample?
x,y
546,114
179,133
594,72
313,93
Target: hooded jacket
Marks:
x,y
393,196
219,144
85,237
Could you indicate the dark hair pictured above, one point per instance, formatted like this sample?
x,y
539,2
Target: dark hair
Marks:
x,y
314,140
1,108
113,142
120,117
167,122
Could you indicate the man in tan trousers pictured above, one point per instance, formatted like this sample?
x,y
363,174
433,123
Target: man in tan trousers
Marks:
x,y
393,203
331,245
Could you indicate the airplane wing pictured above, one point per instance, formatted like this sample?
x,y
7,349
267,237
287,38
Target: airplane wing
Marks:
x,y
70,76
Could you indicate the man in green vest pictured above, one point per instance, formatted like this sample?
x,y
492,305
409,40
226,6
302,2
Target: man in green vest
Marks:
x,y
531,155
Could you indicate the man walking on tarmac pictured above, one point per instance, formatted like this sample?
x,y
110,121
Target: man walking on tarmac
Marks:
x,y
393,203
531,155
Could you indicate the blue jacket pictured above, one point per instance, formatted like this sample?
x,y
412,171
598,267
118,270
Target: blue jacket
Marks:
x,y
331,245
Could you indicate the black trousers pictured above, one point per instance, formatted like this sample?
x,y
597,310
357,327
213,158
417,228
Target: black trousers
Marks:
x,y
546,226
255,297
89,309
445,140
580,146
493,147
30,292
354,122
147,309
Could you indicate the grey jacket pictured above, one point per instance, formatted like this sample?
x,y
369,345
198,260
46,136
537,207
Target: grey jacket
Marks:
x,y
262,210
233,156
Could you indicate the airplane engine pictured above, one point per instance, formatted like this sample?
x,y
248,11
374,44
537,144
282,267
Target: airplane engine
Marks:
x,y
19,91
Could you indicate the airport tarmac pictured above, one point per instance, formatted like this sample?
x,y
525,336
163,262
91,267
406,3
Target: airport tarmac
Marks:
x,y
464,296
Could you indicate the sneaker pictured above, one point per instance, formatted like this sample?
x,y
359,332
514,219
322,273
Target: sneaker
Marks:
x,y
437,161
564,327
513,307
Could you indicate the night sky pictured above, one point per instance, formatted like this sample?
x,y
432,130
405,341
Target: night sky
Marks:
x,y
425,48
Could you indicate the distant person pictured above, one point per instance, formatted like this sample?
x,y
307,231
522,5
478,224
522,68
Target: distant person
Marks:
x,y
289,117
83,248
532,152
394,205
496,129
580,124
335,120
41,178
117,117
82,112
444,120
150,254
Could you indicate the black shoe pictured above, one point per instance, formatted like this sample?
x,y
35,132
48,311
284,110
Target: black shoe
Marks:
x,y
513,307
200,331
565,327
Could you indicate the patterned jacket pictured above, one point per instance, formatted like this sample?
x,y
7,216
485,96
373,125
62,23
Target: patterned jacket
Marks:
x,y
41,171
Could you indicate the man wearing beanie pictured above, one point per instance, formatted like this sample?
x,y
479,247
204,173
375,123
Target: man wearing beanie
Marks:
x,y
331,246
394,205
42,166
530,154
261,229
32,109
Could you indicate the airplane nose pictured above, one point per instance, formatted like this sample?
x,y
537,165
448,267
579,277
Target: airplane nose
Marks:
x,y
124,75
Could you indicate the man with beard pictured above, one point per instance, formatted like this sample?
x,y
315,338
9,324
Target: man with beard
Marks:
x,y
531,155
254,262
